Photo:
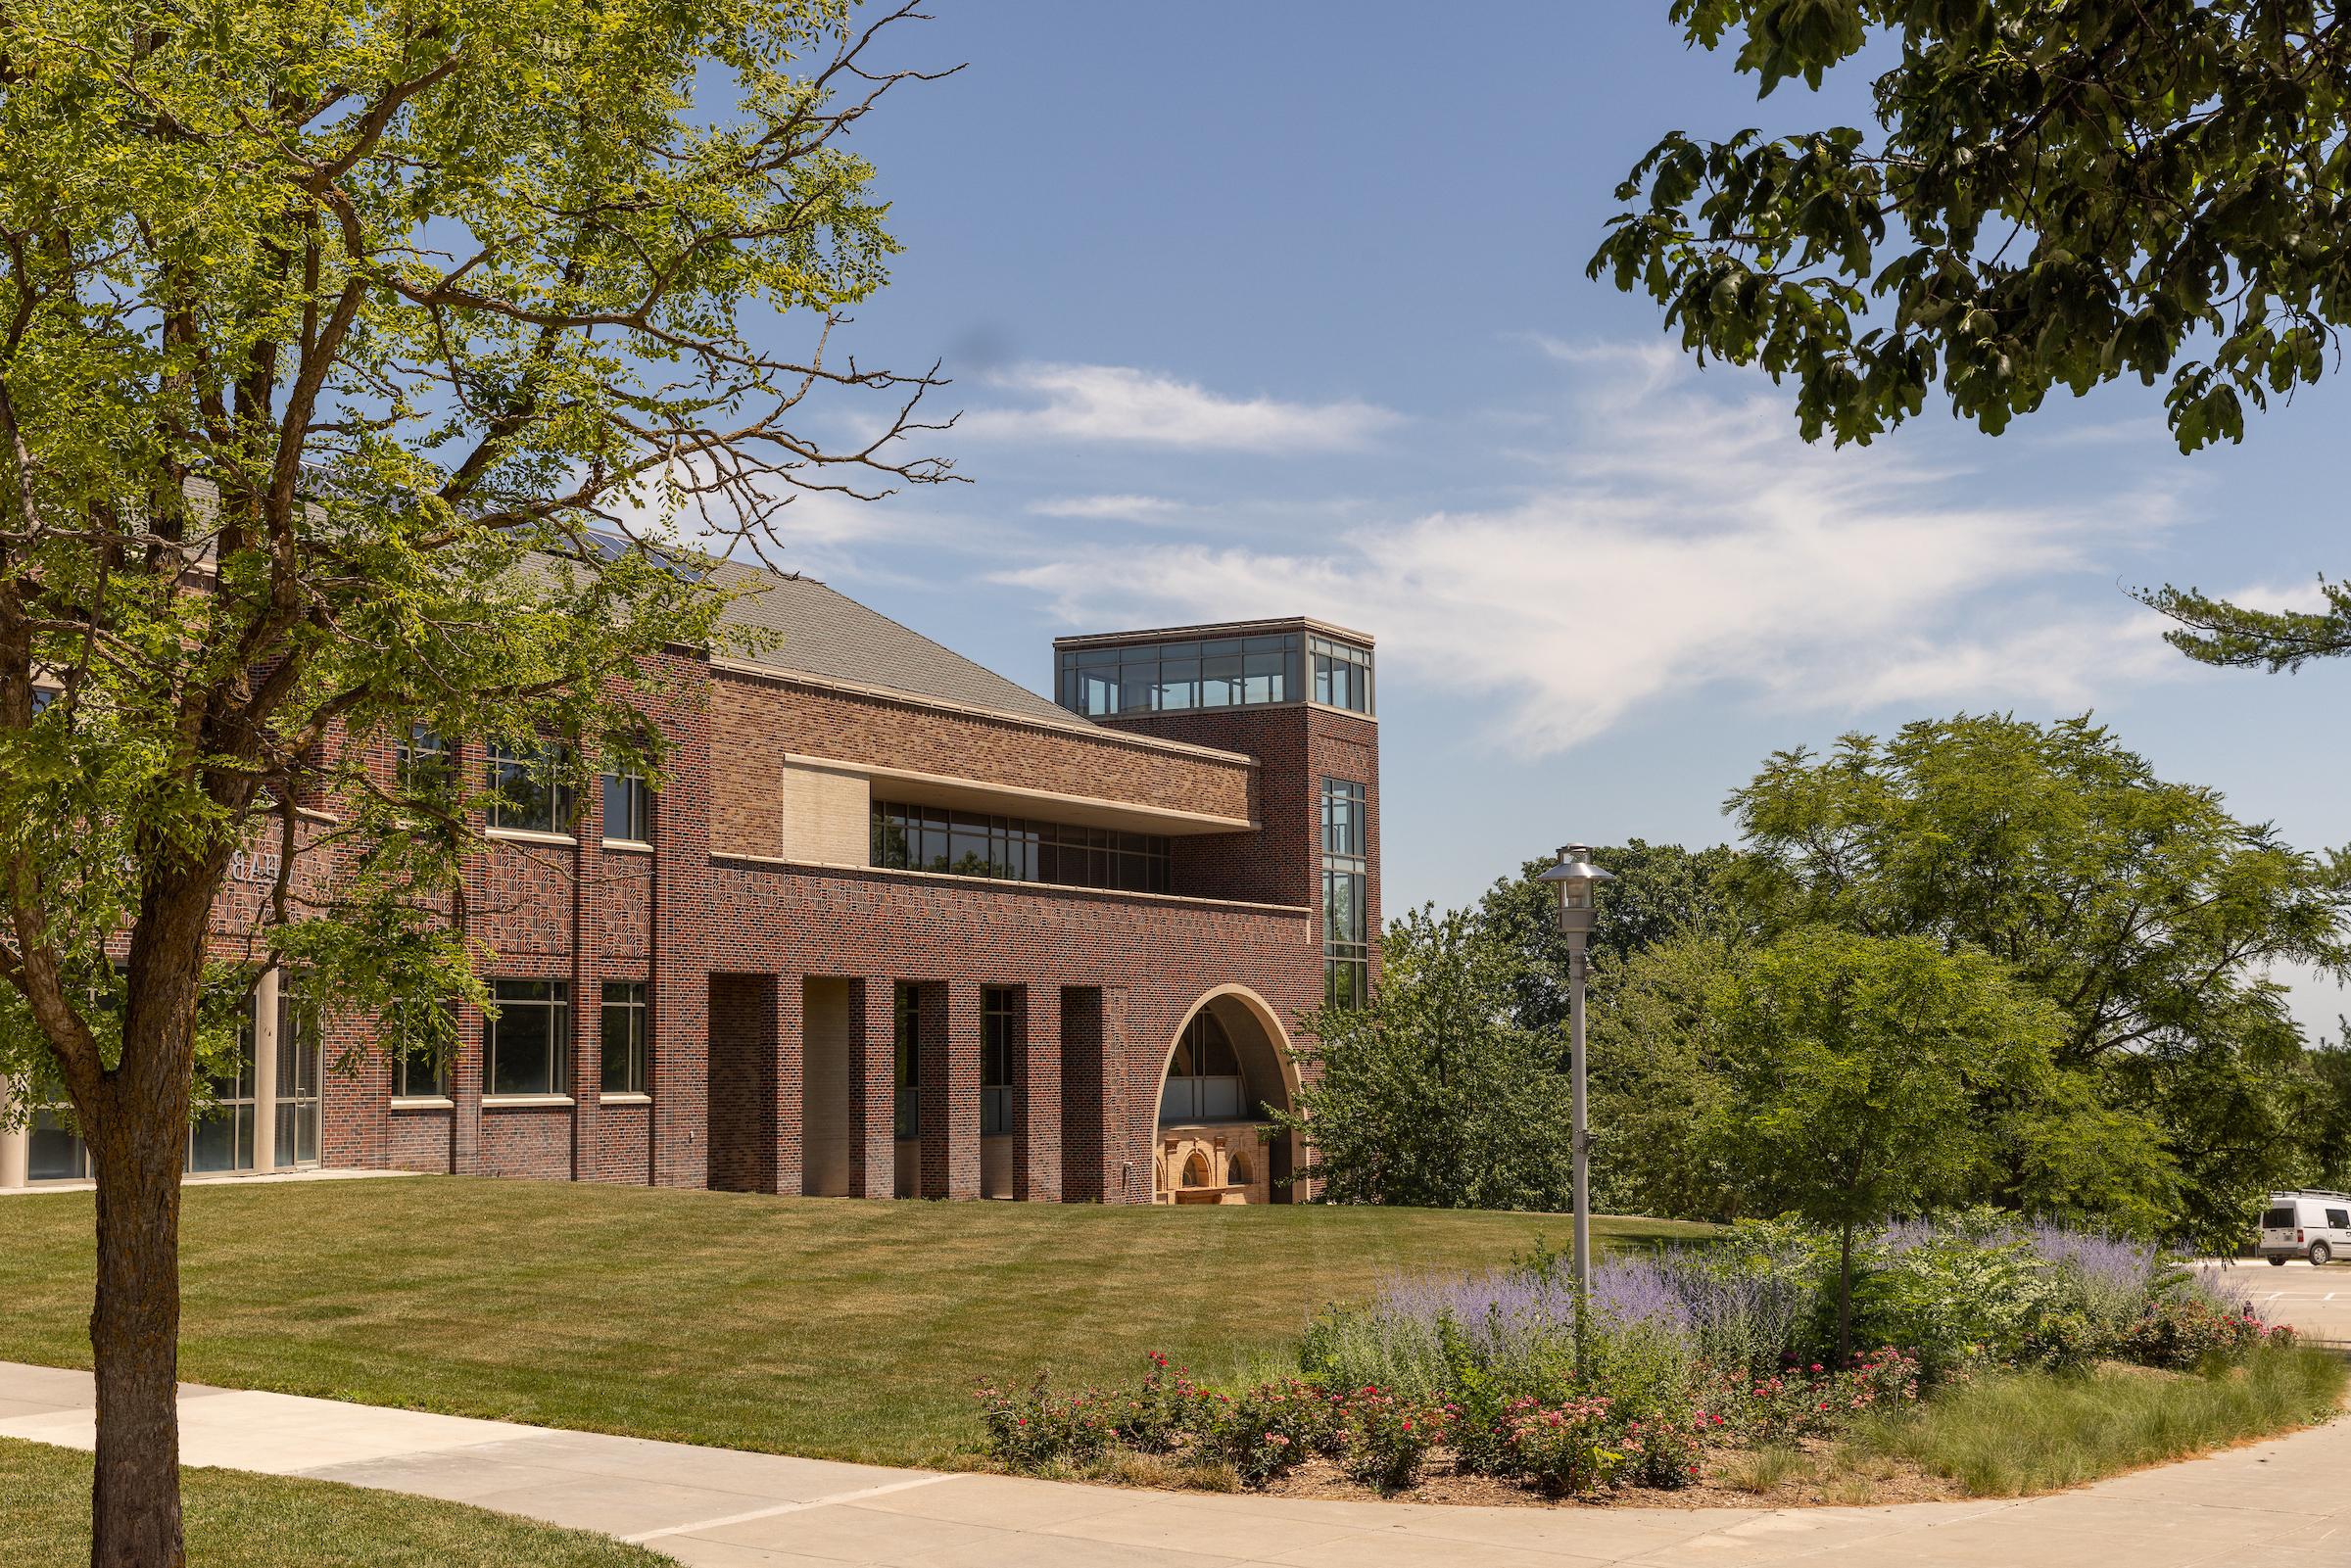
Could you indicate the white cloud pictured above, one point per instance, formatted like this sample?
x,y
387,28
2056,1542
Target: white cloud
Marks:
x,y
1112,509
1688,539
1111,402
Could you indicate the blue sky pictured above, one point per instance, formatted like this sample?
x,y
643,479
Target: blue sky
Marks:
x,y
1277,308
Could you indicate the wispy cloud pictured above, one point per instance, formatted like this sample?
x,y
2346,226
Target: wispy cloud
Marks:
x,y
1108,402
1687,540
1112,509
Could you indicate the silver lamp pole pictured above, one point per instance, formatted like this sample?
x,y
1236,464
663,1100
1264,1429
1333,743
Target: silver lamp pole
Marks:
x,y
1575,879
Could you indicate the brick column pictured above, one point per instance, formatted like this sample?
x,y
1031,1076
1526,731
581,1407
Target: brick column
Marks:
x,y
586,1062
1126,1131
1037,1107
789,1117
465,1094
950,1078
873,1090
678,1074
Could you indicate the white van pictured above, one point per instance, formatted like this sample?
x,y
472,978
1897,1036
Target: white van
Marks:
x,y
2316,1225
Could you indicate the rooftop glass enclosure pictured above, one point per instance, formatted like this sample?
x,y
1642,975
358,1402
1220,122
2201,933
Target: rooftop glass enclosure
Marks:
x,y
1178,676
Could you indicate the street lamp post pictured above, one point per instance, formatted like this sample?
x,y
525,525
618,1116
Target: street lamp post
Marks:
x,y
1575,880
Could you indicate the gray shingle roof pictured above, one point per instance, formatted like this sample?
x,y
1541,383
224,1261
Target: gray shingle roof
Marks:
x,y
812,630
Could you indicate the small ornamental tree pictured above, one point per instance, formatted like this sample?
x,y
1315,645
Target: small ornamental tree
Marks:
x,y
1856,1069
364,365
1431,1095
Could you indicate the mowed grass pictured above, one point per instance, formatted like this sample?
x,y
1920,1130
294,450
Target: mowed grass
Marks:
x,y
2015,1434
825,1327
234,1519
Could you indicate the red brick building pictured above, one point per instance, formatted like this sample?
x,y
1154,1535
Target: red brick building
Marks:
x,y
893,925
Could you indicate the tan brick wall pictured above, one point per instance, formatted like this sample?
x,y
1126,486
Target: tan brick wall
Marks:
x,y
827,814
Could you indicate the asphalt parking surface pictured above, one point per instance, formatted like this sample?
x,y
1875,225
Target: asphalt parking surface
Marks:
x,y
2316,1300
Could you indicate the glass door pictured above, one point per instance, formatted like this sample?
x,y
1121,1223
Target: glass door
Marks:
x,y
298,1076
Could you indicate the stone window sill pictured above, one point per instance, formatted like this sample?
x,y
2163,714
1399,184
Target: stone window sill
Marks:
x,y
423,1102
527,835
494,1101
624,1099
629,847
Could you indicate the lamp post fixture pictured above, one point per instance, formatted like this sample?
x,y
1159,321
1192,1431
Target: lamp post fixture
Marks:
x,y
1575,880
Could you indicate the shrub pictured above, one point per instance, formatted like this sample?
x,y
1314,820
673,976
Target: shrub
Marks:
x,y
1958,1300
1163,1408
1565,1449
1031,1431
1385,1440
2188,1331
1267,1431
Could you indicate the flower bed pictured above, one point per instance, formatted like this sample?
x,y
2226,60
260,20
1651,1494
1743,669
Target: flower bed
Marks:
x,y
1688,1362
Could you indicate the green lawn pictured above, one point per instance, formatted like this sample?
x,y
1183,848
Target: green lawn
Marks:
x,y
237,1520
818,1327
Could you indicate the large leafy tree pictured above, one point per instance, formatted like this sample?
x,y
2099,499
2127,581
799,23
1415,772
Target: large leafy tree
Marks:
x,y
1658,892
2050,196
362,364
2145,912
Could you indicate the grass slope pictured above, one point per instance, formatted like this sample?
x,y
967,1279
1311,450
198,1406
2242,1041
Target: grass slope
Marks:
x,y
238,1520
816,1326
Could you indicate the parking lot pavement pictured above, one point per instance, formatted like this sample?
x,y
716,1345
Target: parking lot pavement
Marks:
x,y
2316,1300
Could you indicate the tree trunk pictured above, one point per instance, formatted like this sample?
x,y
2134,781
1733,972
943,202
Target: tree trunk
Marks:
x,y
1845,1295
135,1336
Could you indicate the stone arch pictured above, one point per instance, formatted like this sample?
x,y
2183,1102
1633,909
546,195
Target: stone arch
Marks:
x,y
1269,1077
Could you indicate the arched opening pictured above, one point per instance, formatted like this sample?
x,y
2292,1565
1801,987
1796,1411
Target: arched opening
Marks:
x,y
1229,1068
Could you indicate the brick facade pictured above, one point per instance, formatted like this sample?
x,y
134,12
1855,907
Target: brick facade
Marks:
x,y
771,1047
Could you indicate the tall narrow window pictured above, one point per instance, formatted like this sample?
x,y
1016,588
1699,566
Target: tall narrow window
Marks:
x,y
999,1036
523,1048
530,791
625,1022
628,808
420,1071
907,1026
222,1140
1346,942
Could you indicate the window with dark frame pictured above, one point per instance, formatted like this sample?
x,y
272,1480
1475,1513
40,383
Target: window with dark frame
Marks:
x,y
967,843
999,1038
420,1071
906,1017
422,763
1178,675
626,1020
1342,674
1204,1082
528,787
524,1047
1346,940
223,1139
301,1075
628,807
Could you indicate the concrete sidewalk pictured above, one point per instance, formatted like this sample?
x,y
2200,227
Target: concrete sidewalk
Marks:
x,y
2283,1502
